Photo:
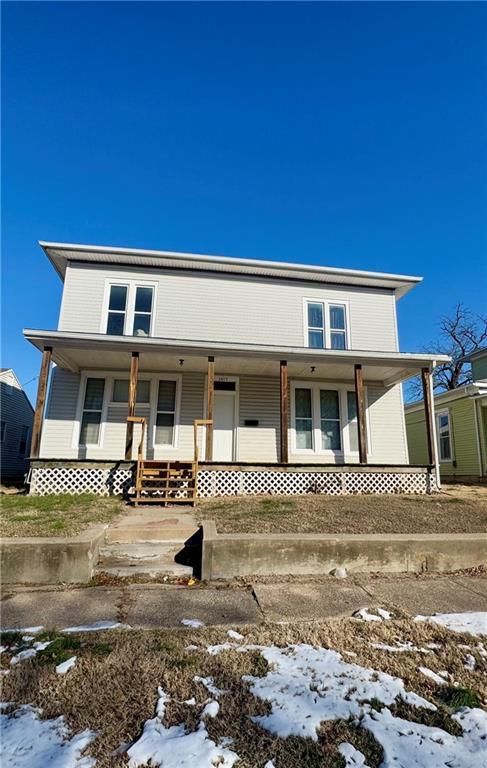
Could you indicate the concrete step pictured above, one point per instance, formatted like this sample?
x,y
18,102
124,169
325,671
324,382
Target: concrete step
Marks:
x,y
150,558
154,533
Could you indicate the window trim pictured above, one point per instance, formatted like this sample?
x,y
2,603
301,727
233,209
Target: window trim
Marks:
x,y
131,285
177,377
345,453
327,303
444,412
26,449
103,411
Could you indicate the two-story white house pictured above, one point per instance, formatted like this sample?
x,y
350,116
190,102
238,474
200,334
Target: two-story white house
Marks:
x,y
297,367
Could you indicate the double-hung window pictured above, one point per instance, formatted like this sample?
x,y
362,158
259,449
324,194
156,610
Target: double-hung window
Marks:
x,y
24,434
324,418
130,310
303,418
337,325
92,412
166,412
117,310
331,439
326,325
444,436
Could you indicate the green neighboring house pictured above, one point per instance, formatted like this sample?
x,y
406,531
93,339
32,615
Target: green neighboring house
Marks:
x,y
461,427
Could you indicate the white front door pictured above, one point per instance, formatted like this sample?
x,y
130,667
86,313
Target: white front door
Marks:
x,y
223,426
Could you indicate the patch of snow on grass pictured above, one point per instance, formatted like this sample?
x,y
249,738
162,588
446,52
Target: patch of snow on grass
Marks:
x,y
234,635
97,626
208,682
474,622
191,648
366,615
210,710
173,747
470,662
400,648
432,675
26,630
306,686
353,758
413,745
65,666
27,742
193,623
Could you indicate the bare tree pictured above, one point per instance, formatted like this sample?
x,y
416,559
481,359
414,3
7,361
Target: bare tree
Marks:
x,y
460,334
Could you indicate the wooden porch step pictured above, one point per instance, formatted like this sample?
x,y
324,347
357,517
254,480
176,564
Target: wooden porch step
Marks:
x,y
160,482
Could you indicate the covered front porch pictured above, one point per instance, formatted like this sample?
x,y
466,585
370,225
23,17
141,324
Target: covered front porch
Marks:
x,y
278,420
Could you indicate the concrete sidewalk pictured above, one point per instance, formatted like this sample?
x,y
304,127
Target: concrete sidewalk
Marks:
x,y
150,606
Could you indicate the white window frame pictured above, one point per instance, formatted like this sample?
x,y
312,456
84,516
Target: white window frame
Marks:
x,y
345,452
131,285
177,377
438,414
151,407
327,303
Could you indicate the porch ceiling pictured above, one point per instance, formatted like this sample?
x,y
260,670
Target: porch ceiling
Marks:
x,y
77,351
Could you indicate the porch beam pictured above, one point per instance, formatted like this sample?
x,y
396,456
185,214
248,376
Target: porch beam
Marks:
x,y
284,412
360,404
429,415
134,373
210,400
40,402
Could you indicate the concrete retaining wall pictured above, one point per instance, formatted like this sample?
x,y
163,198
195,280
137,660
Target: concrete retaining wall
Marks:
x,y
50,561
228,555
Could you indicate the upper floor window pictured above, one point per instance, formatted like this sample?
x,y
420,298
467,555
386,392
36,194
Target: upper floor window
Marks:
x,y
326,325
24,434
129,310
444,435
3,430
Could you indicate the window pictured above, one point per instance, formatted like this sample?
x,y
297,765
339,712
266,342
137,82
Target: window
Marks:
x,y
92,410
352,421
121,391
166,411
330,420
117,309
304,419
338,333
24,434
143,311
316,327
444,435
3,431
129,310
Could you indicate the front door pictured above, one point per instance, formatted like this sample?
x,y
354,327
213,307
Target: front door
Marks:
x,y
224,422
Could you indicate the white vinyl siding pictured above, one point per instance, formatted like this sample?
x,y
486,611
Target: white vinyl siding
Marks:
x,y
191,305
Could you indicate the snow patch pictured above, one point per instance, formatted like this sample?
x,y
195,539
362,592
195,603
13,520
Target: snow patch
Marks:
x,y
173,747
193,623
470,662
473,622
234,635
210,710
209,684
27,742
65,666
438,679
380,615
353,757
400,648
97,626
26,630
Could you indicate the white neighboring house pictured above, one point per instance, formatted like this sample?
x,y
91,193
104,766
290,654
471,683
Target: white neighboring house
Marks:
x,y
298,366
16,416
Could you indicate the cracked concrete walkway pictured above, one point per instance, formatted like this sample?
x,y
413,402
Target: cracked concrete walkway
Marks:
x,y
150,606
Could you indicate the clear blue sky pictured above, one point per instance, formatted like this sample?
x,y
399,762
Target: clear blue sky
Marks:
x,y
351,135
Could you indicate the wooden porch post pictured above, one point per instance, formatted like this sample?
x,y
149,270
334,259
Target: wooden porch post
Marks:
x,y
210,399
429,415
284,412
40,402
360,403
134,372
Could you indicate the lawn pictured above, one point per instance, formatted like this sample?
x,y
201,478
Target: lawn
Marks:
x,y
255,700
56,515
457,510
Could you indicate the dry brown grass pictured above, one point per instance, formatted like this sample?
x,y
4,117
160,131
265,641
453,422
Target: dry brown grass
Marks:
x,y
56,515
453,511
113,687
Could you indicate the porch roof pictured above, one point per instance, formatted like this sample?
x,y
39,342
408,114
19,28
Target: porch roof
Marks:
x,y
76,351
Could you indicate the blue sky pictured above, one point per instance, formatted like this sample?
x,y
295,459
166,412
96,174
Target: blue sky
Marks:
x,y
350,135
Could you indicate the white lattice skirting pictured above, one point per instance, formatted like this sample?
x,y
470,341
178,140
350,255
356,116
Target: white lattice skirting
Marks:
x,y
107,482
